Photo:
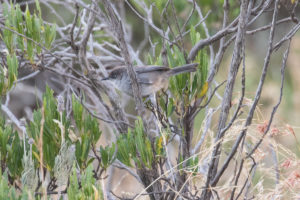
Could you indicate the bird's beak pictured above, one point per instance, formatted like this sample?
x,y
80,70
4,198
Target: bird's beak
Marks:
x,y
105,78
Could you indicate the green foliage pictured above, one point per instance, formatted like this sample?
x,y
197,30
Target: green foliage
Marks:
x,y
2,81
52,131
126,148
73,189
160,4
192,165
12,64
136,146
177,83
15,155
88,188
89,133
56,128
143,145
159,149
167,105
22,32
50,34
8,192
83,188
85,122
9,75
31,31
11,149
185,87
107,155
192,86
82,150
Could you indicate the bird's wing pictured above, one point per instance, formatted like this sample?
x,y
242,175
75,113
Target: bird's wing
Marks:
x,y
146,69
146,82
142,79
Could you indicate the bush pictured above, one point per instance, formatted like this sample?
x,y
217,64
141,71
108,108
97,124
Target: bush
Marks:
x,y
186,142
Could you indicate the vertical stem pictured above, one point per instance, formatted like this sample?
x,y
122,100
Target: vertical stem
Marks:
x,y
44,188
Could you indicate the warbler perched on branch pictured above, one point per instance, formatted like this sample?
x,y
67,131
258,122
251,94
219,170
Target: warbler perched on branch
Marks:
x,y
150,78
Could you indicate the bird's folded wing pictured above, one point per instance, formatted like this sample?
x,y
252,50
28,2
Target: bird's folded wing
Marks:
x,y
144,80
147,69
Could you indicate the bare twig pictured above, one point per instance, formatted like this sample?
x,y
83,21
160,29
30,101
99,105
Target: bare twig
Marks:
x,y
236,60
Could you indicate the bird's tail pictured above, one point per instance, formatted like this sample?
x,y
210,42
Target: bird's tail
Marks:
x,y
184,69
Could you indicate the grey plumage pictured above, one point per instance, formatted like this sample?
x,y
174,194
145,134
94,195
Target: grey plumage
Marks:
x,y
150,78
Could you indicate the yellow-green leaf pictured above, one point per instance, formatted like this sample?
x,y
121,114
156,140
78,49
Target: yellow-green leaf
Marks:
x,y
204,89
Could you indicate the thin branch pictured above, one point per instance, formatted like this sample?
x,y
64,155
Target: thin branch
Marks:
x,y
283,67
252,170
235,63
288,36
120,165
257,96
119,31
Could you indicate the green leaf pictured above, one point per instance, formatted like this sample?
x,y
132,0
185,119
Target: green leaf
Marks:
x,y
28,21
85,148
4,137
87,181
159,146
50,34
2,81
107,155
36,32
13,64
30,52
73,189
4,187
149,59
159,61
20,27
200,86
195,36
171,58
162,104
192,165
78,152
171,107
77,113
160,4
143,144
149,153
8,37
124,153
38,7
15,155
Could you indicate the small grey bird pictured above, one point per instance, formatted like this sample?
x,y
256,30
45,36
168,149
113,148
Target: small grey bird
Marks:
x,y
150,78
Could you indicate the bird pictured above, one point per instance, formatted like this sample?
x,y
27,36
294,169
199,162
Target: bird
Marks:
x,y
151,79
